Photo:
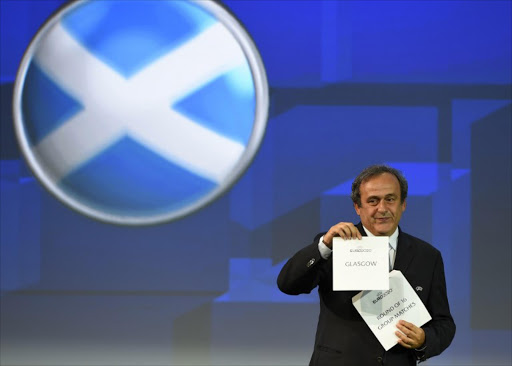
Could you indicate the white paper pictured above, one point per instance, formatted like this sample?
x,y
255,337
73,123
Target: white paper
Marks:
x,y
382,310
360,264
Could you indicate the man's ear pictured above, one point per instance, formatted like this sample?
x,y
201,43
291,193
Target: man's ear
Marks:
x,y
357,208
404,205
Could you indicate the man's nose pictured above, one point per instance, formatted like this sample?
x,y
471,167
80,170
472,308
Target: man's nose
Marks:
x,y
382,207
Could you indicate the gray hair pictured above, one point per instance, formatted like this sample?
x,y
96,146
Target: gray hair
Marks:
x,y
371,172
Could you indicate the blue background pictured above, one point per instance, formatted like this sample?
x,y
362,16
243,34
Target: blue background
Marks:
x,y
424,86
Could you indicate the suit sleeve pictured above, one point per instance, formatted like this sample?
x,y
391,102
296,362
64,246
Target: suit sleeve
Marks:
x,y
440,331
303,272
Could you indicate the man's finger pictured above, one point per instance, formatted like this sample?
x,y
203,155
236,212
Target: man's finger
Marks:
x,y
345,234
407,324
354,232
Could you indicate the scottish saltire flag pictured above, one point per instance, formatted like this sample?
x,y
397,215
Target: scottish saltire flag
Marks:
x,y
140,112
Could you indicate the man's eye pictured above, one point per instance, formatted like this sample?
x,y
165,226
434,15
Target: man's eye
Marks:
x,y
372,202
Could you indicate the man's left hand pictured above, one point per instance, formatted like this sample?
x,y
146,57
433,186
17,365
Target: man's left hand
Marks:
x,y
410,336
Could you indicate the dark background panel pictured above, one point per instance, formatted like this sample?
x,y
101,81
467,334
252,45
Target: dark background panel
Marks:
x,y
491,173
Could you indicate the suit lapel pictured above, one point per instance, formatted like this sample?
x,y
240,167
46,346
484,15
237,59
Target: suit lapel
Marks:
x,y
404,253
359,227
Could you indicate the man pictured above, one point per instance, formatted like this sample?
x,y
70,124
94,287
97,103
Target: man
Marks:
x,y
379,195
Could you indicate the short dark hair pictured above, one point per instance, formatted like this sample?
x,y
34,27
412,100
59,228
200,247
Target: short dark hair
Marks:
x,y
372,171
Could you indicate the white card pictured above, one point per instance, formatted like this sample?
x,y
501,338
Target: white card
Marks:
x,y
360,264
381,310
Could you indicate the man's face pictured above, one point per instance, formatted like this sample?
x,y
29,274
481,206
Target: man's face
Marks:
x,y
380,210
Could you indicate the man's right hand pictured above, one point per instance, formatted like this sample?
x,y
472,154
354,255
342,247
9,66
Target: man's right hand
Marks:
x,y
345,230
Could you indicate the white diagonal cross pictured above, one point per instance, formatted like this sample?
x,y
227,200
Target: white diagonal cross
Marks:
x,y
139,106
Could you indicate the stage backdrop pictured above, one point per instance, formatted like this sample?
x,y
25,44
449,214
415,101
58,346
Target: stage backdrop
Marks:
x,y
424,86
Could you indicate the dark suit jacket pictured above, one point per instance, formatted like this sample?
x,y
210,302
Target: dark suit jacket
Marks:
x,y
342,336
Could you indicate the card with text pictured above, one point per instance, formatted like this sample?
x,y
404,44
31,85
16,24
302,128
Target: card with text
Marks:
x,y
382,310
360,264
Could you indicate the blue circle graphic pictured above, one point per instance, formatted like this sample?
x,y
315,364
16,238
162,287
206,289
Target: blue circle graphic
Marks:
x,y
140,112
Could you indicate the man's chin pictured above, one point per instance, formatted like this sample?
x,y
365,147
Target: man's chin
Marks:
x,y
384,229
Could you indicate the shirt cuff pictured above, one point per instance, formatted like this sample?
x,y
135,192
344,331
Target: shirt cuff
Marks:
x,y
421,349
420,353
324,250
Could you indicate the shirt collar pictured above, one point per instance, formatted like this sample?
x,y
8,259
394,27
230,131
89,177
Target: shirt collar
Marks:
x,y
393,239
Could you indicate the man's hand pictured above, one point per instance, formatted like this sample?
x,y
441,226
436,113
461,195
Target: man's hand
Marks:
x,y
346,230
409,335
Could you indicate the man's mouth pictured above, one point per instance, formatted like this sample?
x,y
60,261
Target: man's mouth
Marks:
x,y
382,219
